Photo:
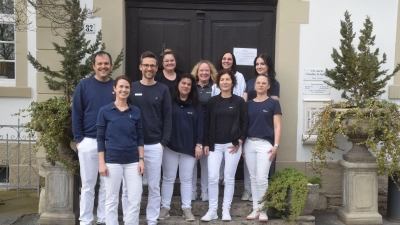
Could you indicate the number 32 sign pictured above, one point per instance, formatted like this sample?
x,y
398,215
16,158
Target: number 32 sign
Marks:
x,y
89,28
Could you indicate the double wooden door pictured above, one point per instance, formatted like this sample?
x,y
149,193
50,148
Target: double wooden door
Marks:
x,y
197,31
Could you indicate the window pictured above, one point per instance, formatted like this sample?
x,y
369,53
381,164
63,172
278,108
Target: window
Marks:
x,y
7,40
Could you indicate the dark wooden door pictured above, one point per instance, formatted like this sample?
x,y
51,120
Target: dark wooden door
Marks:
x,y
197,31
154,30
226,30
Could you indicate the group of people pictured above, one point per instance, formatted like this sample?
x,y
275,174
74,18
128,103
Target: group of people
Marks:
x,y
169,120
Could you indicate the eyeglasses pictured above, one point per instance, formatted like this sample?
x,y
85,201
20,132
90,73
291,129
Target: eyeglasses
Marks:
x,y
149,65
260,64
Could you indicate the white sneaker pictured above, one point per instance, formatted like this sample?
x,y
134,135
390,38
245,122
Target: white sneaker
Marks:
x,y
194,195
263,216
204,196
210,215
253,215
246,195
226,216
164,213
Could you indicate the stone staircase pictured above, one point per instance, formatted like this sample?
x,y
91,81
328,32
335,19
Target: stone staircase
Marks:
x,y
239,210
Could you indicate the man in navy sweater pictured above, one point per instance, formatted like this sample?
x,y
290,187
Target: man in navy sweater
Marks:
x,y
154,101
90,95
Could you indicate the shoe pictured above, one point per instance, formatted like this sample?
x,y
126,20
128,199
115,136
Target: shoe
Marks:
x,y
210,215
246,195
204,196
188,215
101,223
144,180
253,215
263,216
251,198
194,195
226,216
164,213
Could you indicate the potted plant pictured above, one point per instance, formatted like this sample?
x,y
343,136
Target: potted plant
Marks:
x,y
52,118
371,124
363,118
291,194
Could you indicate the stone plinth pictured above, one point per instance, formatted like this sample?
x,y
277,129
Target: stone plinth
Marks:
x,y
359,193
60,196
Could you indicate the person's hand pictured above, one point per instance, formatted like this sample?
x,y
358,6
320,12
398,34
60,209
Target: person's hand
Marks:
x,y
206,150
77,144
103,170
162,146
141,167
198,152
273,151
243,155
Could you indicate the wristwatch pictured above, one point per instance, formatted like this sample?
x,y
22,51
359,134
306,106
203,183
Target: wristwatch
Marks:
x,y
276,145
200,146
141,158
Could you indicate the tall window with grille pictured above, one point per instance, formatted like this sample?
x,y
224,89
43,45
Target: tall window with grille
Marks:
x,y
7,40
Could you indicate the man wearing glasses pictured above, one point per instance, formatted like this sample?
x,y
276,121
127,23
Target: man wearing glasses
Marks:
x,y
154,101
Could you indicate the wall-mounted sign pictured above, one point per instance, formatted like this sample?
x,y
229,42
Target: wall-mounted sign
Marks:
x,y
245,56
316,88
315,74
89,28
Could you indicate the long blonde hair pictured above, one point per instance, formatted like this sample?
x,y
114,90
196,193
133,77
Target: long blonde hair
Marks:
x,y
213,71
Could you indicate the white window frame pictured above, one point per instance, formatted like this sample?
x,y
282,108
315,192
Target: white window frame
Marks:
x,y
9,19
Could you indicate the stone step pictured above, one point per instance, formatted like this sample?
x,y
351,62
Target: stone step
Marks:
x,y
199,208
239,188
303,220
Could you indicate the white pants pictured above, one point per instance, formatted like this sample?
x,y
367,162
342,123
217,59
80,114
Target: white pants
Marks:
x,y
89,169
171,161
257,160
221,151
203,174
133,183
247,182
152,162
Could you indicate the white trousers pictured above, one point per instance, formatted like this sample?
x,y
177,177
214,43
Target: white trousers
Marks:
x,y
257,160
221,152
133,183
152,162
89,170
171,161
246,174
203,174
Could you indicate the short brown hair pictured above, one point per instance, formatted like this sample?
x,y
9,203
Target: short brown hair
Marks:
x,y
230,73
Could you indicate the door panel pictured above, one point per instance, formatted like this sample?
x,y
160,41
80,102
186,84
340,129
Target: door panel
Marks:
x,y
158,29
227,30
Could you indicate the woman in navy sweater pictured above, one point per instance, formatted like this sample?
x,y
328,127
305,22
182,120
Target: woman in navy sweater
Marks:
x,y
264,133
225,131
184,147
120,144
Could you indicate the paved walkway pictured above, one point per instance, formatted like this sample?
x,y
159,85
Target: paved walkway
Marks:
x,y
22,210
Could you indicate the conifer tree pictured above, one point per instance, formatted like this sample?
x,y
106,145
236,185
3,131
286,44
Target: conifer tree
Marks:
x,y
74,51
358,74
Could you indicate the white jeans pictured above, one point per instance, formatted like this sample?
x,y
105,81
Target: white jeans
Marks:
x,y
221,151
171,161
203,174
246,174
152,162
89,169
133,182
257,160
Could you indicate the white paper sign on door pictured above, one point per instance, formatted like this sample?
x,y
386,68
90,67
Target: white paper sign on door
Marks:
x,y
245,56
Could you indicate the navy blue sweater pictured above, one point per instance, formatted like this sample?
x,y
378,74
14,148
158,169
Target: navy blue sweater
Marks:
x,y
187,127
119,134
89,96
154,103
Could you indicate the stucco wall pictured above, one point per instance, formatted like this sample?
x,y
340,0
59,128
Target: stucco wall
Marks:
x,y
321,34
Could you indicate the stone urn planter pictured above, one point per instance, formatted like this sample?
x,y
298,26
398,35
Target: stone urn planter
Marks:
x,y
312,199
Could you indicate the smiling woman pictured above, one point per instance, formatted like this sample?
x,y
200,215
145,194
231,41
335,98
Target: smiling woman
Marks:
x,y
169,74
